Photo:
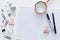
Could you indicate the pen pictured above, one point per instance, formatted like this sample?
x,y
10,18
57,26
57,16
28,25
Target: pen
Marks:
x,y
3,16
7,37
49,21
6,23
54,23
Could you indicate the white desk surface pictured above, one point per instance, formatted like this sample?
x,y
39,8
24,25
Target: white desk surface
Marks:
x,y
30,26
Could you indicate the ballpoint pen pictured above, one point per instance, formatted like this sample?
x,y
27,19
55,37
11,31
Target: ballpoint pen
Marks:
x,y
49,21
54,23
4,17
6,23
7,37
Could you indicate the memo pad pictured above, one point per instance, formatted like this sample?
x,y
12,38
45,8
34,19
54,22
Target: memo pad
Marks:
x,y
31,25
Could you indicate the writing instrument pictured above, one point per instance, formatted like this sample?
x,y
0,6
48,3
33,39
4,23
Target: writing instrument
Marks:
x,y
54,23
49,21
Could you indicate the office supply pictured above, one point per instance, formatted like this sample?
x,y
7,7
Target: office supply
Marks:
x,y
54,23
6,23
46,30
49,21
13,8
7,37
3,16
3,30
9,14
2,10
